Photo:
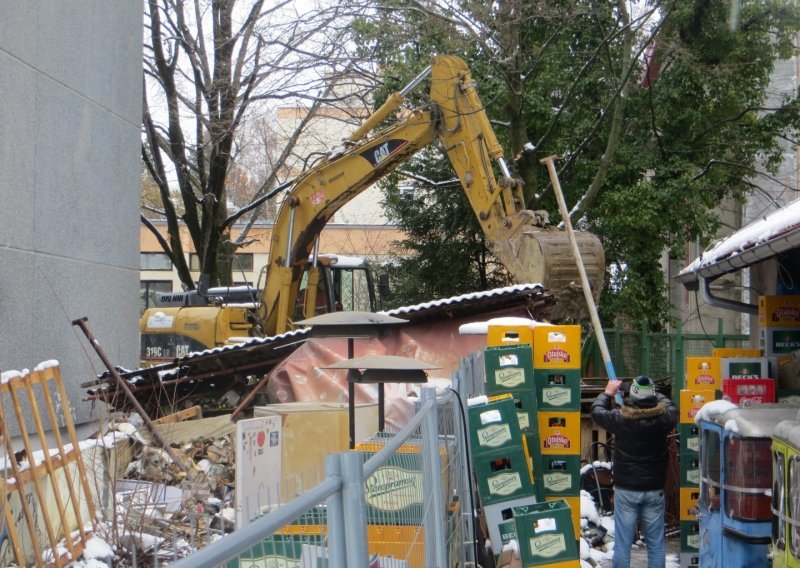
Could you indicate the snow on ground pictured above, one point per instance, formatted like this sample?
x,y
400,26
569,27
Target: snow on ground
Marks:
x,y
98,554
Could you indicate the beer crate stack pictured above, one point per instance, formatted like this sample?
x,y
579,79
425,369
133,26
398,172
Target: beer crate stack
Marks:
x,y
499,462
557,371
504,465
734,374
702,383
535,368
395,511
779,329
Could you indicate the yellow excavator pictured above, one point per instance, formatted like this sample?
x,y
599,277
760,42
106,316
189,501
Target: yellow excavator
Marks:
x,y
531,250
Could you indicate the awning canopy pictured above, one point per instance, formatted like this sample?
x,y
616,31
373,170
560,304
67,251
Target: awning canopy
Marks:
x,y
774,234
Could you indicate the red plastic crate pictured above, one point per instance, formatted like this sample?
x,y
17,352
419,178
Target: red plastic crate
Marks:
x,y
748,392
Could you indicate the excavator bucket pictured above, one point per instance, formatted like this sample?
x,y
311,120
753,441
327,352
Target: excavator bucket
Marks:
x,y
543,254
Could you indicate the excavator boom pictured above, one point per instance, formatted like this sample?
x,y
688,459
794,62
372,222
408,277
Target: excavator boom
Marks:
x,y
455,117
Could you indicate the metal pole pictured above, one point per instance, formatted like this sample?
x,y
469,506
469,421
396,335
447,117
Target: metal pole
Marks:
x,y
433,522
337,549
645,348
355,510
678,375
415,81
465,478
504,167
587,292
289,238
351,394
82,323
381,407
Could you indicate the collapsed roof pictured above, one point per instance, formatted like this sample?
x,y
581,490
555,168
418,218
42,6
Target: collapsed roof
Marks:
x,y
212,373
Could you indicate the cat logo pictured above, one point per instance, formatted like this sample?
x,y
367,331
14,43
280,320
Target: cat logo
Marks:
x,y
380,153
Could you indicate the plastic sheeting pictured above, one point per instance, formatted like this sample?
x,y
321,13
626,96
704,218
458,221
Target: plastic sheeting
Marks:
x,y
302,376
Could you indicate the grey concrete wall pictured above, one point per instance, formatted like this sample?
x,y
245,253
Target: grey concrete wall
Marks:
x,y
70,115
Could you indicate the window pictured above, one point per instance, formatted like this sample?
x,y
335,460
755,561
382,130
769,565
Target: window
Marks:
x,y
154,261
194,262
748,479
779,499
303,296
150,289
352,289
242,262
709,470
793,505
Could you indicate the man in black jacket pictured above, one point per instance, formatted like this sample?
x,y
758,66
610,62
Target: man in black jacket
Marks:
x,y
641,428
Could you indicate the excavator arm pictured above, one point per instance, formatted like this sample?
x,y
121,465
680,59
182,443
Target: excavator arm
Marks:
x,y
455,117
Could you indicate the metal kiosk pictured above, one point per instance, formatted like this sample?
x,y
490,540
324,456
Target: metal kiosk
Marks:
x,y
736,485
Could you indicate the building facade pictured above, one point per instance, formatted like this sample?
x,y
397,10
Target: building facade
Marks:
x,y
746,285
374,243
70,152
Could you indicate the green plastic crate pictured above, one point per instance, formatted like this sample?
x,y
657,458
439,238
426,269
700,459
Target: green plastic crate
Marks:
x,y
561,475
526,407
508,532
494,426
788,396
275,551
690,438
690,469
690,536
558,389
502,476
508,369
394,492
535,463
545,533
774,340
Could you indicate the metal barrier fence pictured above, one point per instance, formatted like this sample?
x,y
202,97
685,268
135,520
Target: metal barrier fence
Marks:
x,y
404,496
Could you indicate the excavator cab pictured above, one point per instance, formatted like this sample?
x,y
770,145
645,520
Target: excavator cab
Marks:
x,y
337,283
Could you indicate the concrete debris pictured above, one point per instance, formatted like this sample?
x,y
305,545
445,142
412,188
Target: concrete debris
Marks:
x,y
155,497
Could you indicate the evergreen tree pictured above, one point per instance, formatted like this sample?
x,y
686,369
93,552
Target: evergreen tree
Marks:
x,y
656,116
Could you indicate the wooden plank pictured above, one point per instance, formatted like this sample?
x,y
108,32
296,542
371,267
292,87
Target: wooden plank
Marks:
x,y
16,545
75,453
73,436
49,467
180,433
26,476
37,485
24,504
180,416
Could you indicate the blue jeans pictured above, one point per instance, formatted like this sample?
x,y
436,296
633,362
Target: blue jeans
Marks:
x,y
648,508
